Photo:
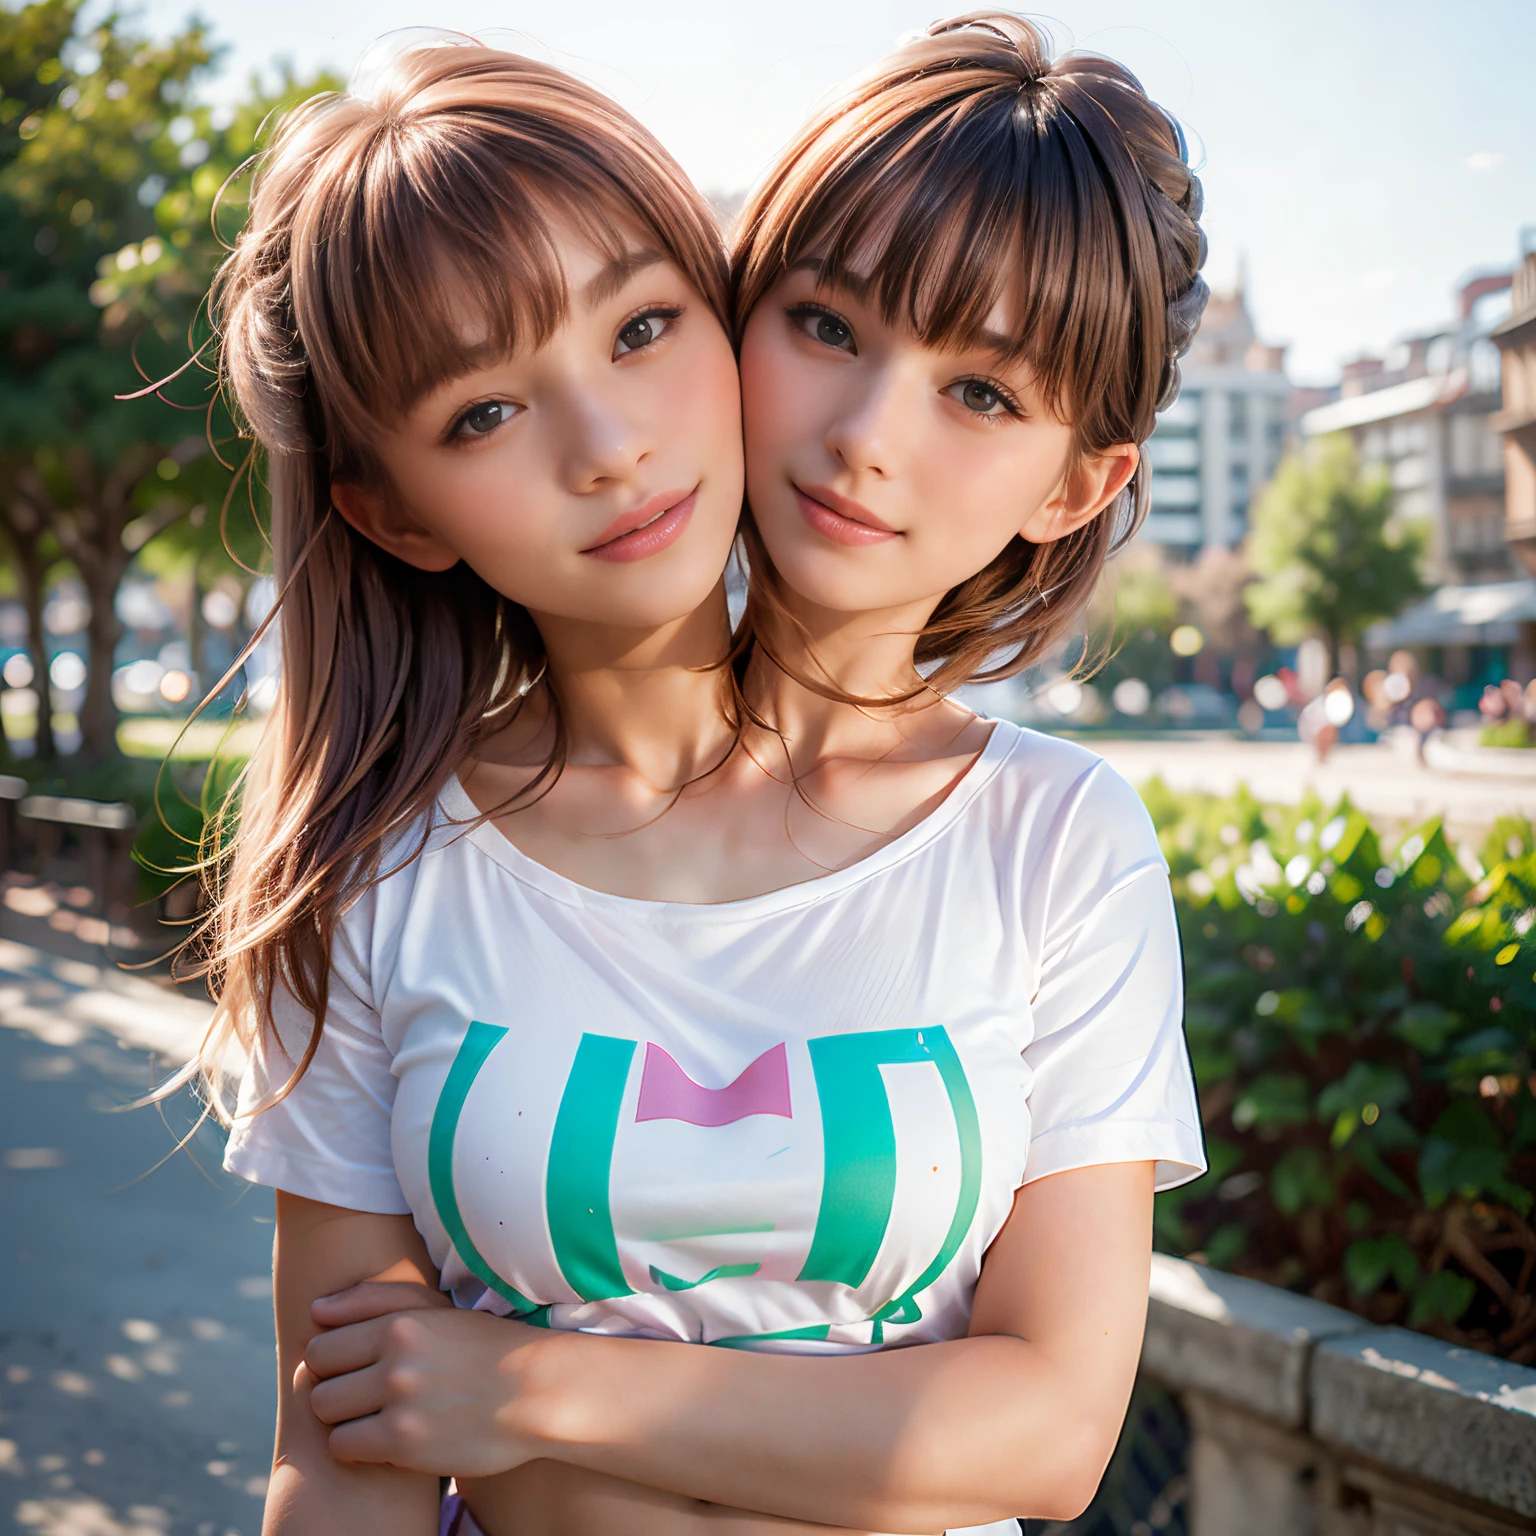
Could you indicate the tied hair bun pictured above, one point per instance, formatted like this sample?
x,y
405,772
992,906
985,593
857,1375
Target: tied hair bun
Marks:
x,y
1025,50
1185,312
1184,315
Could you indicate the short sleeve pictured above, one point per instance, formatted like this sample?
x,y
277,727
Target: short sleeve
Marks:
x,y
1111,1075
329,1138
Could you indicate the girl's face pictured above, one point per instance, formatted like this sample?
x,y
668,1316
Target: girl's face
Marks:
x,y
597,478
881,471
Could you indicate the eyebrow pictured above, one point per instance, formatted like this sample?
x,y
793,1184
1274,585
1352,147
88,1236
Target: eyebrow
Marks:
x,y
617,273
603,286
1004,347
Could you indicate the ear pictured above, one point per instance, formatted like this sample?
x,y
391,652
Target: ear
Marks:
x,y
1089,485
380,519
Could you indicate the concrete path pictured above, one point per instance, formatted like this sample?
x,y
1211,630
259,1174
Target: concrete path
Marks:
x,y
136,1357
1381,778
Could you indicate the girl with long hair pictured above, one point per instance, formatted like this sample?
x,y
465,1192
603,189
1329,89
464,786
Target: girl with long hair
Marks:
x,y
860,1058
478,325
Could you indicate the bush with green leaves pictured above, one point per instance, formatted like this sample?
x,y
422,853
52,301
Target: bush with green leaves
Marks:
x,y
1518,732
1363,1027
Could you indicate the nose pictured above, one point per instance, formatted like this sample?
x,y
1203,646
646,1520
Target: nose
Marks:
x,y
869,427
605,442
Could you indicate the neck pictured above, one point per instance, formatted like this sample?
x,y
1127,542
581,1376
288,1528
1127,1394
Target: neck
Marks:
x,y
866,656
649,700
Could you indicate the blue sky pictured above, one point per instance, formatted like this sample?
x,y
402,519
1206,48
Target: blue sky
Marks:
x,y
1362,155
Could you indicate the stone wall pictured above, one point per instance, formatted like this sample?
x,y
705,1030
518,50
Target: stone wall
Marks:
x,y
1308,1421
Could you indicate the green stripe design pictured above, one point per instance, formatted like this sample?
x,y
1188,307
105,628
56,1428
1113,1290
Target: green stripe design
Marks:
x,y
719,1272
478,1043
859,1181
752,1340
580,1160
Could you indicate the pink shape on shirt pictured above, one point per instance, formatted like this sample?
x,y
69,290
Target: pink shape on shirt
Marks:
x,y
668,1093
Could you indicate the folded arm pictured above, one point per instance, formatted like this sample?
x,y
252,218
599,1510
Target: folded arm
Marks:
x,y
320,1249
1019,1418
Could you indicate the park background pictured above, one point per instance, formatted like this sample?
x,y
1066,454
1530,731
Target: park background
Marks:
x,y
1315,658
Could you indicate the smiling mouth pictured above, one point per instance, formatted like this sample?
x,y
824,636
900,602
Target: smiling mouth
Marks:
x,y
837,524
648,529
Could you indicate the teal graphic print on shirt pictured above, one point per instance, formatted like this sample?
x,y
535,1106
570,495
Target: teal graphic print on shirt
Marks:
x,y
859,1158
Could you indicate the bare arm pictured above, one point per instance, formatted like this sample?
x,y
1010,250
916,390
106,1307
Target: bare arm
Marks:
x,y
320,1249
1020,1418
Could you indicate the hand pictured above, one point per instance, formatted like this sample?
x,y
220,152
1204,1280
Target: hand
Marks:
x,y
376,1298
431,1389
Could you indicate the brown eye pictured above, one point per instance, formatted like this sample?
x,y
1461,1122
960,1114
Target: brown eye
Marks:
x,y
643,331
832,332
980,398
823,326
484,417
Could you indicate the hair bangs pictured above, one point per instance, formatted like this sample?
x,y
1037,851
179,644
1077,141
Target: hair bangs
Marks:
x,y
445,259
967,224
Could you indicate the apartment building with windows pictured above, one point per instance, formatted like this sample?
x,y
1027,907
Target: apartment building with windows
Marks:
x,y
1216,447
1424,415
1429,415
1516,340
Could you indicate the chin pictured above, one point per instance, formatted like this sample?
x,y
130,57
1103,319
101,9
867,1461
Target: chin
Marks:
x,y
671,596
829,584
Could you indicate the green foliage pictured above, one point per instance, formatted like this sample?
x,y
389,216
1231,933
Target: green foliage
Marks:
x,y
1508,733
176,827
109,173
1330,558
1363,1029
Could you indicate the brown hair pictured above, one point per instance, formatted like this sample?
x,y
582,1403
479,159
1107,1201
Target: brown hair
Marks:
x,y
968,167
372,223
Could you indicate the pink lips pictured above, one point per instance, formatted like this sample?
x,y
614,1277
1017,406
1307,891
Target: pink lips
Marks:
x,y
844,522
639,534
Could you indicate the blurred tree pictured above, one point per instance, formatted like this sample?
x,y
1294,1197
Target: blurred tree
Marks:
x,y
31,78
1210,595
109,174
1330,558
1133,614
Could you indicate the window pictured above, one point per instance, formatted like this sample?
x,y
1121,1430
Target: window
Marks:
x,y
1476,450
1483,367
1173,452
1274,444
1169,528
1175,491
1183,413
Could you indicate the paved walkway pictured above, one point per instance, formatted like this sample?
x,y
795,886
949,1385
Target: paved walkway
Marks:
x,y
1381,778
136,1364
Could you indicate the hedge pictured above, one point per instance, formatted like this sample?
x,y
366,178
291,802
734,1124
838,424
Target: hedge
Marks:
x,y
1362,1029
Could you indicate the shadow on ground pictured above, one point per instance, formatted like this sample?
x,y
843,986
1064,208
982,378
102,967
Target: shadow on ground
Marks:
x,y
136,1374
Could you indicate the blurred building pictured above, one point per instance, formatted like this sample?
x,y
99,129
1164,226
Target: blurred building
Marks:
x,y
1516,339
1219,443
1429,414
1424,415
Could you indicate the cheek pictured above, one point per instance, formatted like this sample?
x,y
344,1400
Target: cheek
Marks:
x,y
487,505
1002,485
717,384
777,407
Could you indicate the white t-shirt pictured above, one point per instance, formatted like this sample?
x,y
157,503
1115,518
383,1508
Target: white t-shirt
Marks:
x,y
793,1122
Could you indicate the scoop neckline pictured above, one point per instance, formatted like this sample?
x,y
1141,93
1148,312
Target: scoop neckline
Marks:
x,y
497,846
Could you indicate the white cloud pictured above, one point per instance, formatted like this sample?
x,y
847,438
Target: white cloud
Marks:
x,y
1486,159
